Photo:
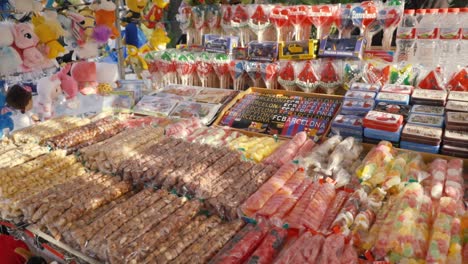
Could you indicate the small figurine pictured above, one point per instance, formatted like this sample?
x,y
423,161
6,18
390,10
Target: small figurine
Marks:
x,y
135,61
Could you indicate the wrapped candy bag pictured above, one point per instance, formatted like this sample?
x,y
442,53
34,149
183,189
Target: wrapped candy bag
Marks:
x,y
305,249
264,193
352,73
430,80
459,81
242,245
317,160
287,151
330,79
270,246
307,79
315,212
376,72
438,171
375,162
332,212
454,254
339,153
405,230
275,202
345,217
454,183
286,75
439,241
401,75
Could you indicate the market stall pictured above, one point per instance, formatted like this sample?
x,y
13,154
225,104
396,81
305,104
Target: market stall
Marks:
x,y
275,134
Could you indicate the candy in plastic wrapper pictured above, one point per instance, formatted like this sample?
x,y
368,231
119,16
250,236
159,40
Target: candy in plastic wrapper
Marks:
x,y
270,247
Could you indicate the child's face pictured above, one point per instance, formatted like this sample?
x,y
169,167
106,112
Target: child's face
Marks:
x,y
29,106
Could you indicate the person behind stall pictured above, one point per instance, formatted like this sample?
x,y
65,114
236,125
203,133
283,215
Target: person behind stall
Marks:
x,y
20,99
15,251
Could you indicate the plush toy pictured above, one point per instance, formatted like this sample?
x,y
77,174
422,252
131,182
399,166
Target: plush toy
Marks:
x,y
84,74
157,41
134,13
69,22
26,41
26,6
156,13
87,27
105,16
7,52
136,62
48,33
107,75
67,83
48,91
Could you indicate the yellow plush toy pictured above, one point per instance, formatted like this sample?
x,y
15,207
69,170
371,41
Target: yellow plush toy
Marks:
x,y
134,13
157,41
48,34
89,22
135,61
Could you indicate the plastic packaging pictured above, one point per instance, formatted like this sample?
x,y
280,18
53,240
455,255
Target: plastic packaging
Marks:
x,y
270,247
449,36
427,34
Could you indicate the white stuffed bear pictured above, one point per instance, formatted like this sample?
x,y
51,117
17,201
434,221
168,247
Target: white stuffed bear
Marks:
x,y
7,52
48,91
26,6
106,76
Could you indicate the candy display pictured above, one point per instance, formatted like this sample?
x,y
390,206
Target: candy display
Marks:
x,y
50,128
281,115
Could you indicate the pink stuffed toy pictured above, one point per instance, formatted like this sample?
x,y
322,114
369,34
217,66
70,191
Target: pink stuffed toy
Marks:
x,y
68,84
26,41
48,91
85,75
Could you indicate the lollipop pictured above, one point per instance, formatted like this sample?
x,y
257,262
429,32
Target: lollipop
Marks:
x,y
205,68
297,16
259,19
329,78
307,79
213,19
269,73
236,69
401,76
321,16
221,67
186,67
286,76
352,73
226,12
198,17
376,73
343,21
280,18
431,81
185,22
253,69
239,22
167,66
364,15
459,81
389,17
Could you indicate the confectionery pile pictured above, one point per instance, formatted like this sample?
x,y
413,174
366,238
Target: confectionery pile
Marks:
x,y
158,190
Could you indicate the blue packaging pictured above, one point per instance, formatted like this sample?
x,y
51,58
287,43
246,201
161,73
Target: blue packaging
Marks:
x,y
393,98
352,106
347,125
220,44
383,135
419,147
360,95
426,120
